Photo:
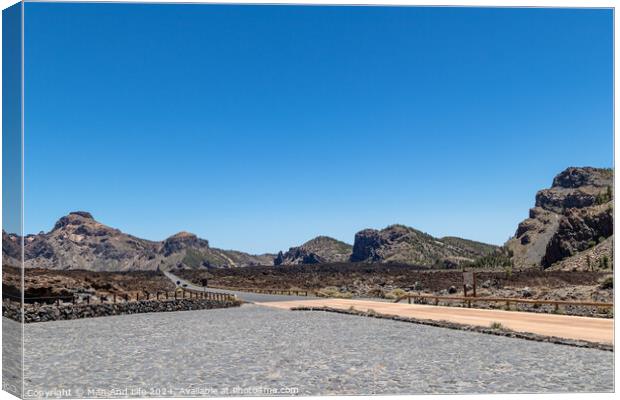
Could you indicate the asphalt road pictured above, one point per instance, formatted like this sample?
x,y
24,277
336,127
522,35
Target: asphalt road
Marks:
x,y
245,296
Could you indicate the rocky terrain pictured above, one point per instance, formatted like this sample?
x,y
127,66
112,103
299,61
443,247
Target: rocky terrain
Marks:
x,y
11,249
572,217
40,282
321,249
378,280
402,244
78,241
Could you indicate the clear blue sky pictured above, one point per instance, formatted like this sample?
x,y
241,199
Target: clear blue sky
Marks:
x,y
260,127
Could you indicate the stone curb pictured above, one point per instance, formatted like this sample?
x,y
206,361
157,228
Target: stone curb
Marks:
x,y
463,327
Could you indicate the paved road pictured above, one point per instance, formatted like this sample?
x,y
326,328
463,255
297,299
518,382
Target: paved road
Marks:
x,y
317,353
245,296
600,330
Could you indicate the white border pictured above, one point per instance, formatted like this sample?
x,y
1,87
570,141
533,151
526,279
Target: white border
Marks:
x,y
449,3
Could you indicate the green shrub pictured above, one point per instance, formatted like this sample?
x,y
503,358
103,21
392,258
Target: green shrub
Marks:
x,y
608,283
496,325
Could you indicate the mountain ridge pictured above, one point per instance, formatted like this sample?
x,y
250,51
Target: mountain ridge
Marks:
x,y
79,241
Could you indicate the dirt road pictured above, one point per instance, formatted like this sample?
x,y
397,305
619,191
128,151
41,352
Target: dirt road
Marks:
x,y
598,330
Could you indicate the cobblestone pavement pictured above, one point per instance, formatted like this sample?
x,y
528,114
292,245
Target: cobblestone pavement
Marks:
x,y
260,350
11,356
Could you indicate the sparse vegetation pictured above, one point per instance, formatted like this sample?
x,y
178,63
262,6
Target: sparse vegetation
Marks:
x,y
608,283
334,292
604,262
496,325
193,258
497,259
395,294
605,197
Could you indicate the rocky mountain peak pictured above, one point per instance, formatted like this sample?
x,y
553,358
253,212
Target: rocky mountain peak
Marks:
x,y
403,244
321,249
183,235
74,218
182,240
576,188
83,214
573,215
575,177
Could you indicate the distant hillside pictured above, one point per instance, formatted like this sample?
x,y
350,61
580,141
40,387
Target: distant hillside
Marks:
x,y
321,249
78,241
575,215
403,244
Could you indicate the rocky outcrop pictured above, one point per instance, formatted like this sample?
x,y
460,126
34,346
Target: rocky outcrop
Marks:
x,y
402,244
597,258
575,214
78,241
368,245
182,241
579,230
11,249
321,249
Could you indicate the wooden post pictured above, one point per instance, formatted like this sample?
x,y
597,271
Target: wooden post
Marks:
x,y
137,296
126,297
409,300
114,298
474,277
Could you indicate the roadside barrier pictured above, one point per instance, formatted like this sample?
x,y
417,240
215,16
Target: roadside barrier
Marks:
x,y
123,298
285,292
506,300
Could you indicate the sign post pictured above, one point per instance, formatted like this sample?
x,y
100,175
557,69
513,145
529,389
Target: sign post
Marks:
x,y
469,278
